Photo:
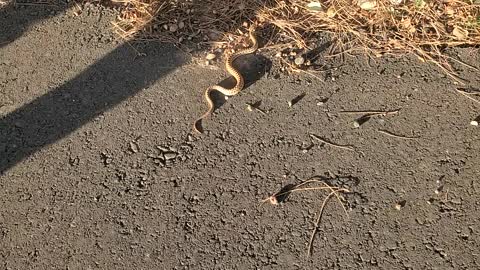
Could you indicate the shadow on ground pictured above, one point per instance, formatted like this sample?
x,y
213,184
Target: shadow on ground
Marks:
x,y
111,80
15,19
103,85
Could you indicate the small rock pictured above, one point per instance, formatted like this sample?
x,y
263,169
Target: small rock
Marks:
x,y
133,147
456,201
163,149
474,123
400,205
181,25
170,155
299,60
173,27
210,56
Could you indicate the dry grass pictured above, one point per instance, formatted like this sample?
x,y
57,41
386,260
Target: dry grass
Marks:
x,y
421,27
209,21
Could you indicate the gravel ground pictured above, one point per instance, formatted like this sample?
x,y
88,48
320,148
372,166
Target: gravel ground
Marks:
x,y
98,169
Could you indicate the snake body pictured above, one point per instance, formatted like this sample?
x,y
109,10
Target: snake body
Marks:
x,y
240,82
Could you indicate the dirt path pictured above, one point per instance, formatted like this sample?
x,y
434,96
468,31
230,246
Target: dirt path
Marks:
x,y
98,170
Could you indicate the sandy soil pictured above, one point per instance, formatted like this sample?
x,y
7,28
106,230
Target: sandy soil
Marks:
x,y
98,169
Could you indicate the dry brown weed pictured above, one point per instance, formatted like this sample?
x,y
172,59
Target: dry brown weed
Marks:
x,y
422,27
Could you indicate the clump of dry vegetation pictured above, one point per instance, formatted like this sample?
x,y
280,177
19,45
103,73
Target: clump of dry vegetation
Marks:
x,y
378,27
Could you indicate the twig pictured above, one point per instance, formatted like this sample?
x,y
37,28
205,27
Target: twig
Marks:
x,y
332,189
319,218
372,113
346,147
299,187
466,94
252,107
296,188
273,198
386,132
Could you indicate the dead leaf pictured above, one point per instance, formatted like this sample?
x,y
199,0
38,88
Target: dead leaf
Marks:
x,y
407,25
460,33
367,4
315,6
331,12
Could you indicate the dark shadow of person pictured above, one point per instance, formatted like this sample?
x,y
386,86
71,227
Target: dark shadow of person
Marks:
x,y
103,85
17,18
106,83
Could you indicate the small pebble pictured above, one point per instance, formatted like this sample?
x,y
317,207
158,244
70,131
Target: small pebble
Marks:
x,y
356,124
170,155
210,56
163,149
474,123
133,147
173,28
396,2
299,60
400,205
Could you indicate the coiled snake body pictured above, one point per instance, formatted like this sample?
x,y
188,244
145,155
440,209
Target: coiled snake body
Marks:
x,y
240,82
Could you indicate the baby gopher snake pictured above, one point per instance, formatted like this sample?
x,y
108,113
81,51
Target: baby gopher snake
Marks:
x,y
235,73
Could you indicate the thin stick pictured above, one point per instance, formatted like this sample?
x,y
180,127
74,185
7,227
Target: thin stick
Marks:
x,y
319,218
333,189
466,94
371,113
462,63
312,180
256,108
296,190
386,132
346,147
